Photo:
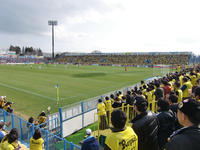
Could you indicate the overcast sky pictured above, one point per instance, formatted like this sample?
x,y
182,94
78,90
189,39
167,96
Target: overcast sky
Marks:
x,y
105,25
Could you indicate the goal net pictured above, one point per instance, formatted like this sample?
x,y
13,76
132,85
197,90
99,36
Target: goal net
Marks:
x,y
161,70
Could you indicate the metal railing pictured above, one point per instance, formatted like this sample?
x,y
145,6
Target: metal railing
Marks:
x,y
26,131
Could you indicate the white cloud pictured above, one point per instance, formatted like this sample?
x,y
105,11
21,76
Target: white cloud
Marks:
x,y
107,25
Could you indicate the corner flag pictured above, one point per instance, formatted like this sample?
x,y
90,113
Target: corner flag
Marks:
x,y
57,87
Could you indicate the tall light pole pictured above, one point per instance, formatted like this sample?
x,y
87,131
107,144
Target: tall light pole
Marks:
x,y
52,23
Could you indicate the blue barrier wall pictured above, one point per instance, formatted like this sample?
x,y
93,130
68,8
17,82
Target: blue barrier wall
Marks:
x,y
52,141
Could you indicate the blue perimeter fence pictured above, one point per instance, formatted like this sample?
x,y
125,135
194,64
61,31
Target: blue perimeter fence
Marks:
x,y
52,139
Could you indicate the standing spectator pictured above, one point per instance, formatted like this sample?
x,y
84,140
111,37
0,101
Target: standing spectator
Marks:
x,y
90,143
185,88
145,125
166,120
109,108
159,93
36,142
197,94
117,103
10,141
122,137
166,88
112,98
178,91
101,108
188,137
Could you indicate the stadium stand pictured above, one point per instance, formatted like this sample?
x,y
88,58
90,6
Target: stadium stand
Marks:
x,y
132,59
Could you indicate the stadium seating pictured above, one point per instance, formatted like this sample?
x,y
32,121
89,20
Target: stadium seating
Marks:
x,y
129,59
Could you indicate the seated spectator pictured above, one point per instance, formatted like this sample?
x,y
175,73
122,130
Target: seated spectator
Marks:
x,y
7,107
36,142
30,122
145,125
42,119
2,134
10,141
166,120
90,143
2,102
187,138
122,137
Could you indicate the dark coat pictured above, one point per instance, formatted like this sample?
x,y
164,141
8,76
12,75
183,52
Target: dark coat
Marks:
x,y
166,127
185,139
90,144
145,126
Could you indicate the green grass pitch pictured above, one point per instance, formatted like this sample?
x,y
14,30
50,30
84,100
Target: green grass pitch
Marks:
x,y
32,87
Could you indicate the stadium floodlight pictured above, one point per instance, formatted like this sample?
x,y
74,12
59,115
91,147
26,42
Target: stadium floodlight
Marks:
x,y
52,23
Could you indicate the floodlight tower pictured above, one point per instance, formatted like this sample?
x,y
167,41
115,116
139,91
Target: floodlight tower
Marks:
x,y
52,23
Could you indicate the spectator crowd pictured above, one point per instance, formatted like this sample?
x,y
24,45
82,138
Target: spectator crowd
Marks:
x,y
164,114
9,140
129,59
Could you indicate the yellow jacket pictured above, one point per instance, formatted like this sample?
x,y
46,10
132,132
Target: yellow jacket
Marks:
x,y
126,140
36,144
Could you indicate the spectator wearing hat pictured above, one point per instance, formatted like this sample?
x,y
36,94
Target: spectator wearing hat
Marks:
x,y
166,120
188,137
122,137
145,125
90,143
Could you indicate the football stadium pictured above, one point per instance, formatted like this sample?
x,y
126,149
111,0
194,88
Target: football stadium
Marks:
x,y
99,75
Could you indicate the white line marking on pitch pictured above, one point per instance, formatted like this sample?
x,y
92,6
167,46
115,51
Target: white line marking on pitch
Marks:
x,y
26,91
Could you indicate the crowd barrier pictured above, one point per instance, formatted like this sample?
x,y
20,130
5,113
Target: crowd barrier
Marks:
x,y
52,141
